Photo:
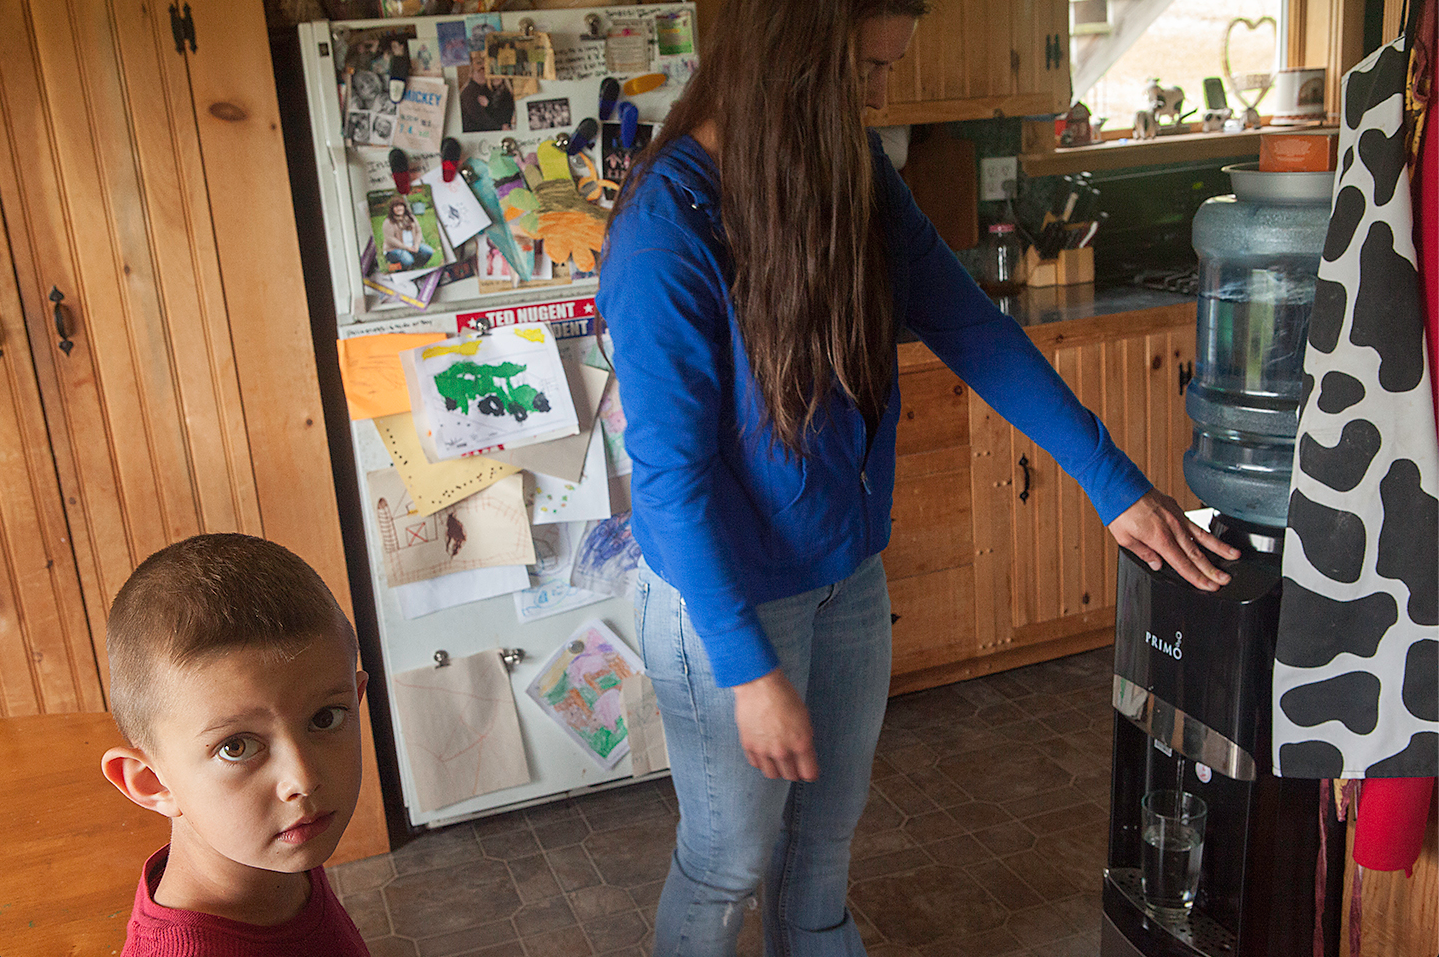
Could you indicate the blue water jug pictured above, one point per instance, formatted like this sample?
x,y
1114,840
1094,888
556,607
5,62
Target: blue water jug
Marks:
x,y
1259,253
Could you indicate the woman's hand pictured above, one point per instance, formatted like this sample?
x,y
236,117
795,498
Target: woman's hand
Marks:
x,y
774,728
1156,529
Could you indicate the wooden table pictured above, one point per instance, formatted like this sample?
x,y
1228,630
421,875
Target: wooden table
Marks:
x,y
74,845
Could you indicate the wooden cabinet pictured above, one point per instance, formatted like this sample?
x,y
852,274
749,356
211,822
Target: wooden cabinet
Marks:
x,y
976,59
997,559
972,60
158,371
929,561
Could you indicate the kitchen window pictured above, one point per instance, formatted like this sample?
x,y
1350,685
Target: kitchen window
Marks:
x,y
1118,46
1312,33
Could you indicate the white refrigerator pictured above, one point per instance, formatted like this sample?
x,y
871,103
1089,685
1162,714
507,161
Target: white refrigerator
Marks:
x,y
649,53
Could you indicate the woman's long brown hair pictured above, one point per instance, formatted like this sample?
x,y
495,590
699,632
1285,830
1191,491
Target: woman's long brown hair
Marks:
x,y
798,202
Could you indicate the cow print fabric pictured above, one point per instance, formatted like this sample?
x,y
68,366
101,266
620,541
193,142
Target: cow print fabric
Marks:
x,y
1356,676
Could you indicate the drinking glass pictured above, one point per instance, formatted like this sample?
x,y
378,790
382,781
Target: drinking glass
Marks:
x,y
1173,848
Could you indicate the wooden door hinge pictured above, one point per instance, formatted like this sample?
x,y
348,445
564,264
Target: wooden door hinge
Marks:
x,y
183,27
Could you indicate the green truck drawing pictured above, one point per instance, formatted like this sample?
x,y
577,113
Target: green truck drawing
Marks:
x,y
490,389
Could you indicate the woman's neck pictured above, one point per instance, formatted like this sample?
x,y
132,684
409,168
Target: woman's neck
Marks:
x,y
707,135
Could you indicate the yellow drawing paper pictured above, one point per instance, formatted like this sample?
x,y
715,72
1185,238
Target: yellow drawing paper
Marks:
x,y
435,485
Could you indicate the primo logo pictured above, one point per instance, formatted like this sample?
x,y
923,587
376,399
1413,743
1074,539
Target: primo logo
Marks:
x,y
1173,651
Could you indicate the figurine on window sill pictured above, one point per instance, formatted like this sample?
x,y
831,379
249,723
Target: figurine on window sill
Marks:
x,y
1163,101
1214,120
1077,129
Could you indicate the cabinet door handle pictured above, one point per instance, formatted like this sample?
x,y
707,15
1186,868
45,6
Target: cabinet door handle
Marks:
x,y
1024,464
1053,51
1186,372
57,297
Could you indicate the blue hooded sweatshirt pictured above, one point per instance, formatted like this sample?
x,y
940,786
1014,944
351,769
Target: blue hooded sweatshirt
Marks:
x,y
720,511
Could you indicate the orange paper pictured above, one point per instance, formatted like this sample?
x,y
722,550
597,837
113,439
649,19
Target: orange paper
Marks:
x,y
370,369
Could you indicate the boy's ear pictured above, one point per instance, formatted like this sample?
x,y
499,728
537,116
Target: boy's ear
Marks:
x,y
362,681
133,774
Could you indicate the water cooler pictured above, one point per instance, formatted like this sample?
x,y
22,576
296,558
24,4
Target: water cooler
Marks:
x,y
1192,669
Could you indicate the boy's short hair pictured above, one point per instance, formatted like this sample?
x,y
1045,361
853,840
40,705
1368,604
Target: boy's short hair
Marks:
x,y
207,595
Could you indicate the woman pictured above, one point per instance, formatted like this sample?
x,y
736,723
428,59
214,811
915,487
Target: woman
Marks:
x,y
760,259
404,244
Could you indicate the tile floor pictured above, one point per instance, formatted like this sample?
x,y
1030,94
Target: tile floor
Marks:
x,y
984,835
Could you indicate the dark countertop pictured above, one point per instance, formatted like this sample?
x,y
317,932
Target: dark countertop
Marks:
x,y
1038,306
1043,305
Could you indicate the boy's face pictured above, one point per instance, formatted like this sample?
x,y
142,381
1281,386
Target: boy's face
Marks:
x,y
261,759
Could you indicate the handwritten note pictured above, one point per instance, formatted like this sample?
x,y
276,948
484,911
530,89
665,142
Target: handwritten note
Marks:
x,y
578,58
427,323
377,168
435,485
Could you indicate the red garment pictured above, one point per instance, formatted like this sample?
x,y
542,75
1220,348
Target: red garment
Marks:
x,y
1389,831
322,929
1394,812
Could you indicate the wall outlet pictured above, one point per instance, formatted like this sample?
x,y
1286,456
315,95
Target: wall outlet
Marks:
x,y
998,177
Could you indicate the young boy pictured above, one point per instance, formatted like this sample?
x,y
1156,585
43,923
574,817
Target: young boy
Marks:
x,y
233,678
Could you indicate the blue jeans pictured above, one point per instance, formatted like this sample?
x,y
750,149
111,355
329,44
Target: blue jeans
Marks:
x,y
407,259
737,826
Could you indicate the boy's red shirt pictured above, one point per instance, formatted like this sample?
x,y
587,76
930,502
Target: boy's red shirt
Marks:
x,y
322,929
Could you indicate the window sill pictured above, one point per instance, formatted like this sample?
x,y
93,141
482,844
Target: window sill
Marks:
x,y
1175,148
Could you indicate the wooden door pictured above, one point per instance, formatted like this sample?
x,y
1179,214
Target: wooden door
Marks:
x,y
1060,546
47,660
1044,564
929,560
106,209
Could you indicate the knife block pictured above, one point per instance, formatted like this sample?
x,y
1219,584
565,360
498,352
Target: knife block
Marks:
x,y
1070,267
